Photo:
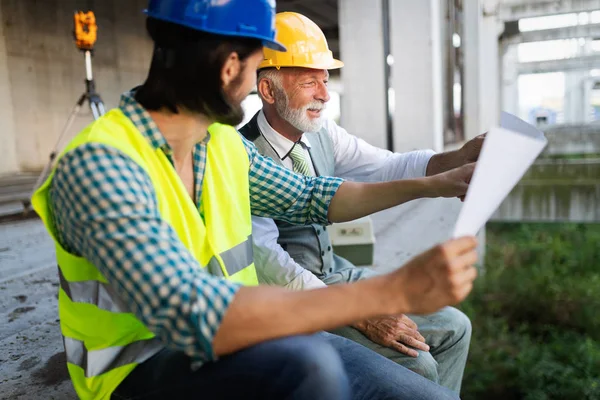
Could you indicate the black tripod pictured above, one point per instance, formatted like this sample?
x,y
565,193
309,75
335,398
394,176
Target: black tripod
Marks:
x,y
96,106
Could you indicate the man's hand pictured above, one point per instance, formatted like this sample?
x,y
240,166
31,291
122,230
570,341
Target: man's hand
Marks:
x,y
471,149
453,183
437,278
396,332
469,153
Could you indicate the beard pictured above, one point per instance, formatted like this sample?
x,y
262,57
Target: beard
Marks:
x,y
297,117
234,115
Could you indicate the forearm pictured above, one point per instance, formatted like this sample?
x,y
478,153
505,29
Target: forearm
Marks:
x,y
443,162
354,200
262,313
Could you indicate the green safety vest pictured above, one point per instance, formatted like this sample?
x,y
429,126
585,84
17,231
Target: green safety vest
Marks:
x,y
103,340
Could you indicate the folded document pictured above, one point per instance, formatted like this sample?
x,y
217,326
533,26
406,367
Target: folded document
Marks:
x,y
507,153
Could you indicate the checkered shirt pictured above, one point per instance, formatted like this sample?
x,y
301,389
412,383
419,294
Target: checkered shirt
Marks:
x,y
105,209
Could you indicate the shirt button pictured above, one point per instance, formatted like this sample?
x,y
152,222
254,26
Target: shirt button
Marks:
x,y
328,248
322,253
318,231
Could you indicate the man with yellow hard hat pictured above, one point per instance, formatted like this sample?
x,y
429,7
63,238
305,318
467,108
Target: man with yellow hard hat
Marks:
x,y
291,130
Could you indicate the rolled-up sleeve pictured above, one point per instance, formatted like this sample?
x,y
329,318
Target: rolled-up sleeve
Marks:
x,y
276,266
279,193
357,160
105,209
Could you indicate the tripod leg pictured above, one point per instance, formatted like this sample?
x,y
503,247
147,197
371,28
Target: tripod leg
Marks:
x,y
95,111
54,152
96,105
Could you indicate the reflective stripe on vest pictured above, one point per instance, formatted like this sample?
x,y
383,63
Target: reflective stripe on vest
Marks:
x,y
98,362
102,295
235,259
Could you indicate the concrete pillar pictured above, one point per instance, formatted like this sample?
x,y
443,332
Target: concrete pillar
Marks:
x,y
575,109
473,67
588,88
361,48
510,80
8,133
481,55
489,71
417,74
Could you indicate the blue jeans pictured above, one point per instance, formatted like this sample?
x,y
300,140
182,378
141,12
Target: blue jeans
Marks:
x,y
321,366
448,334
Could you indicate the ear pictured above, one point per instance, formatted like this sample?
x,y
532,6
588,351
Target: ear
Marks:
x,y
266,91
232,67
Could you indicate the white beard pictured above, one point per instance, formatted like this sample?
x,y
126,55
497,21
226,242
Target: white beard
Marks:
x,y
298,117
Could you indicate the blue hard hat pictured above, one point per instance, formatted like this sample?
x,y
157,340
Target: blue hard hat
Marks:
x,y
242,18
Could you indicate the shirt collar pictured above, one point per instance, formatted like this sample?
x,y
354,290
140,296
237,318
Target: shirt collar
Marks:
x,y
144,123
280,144
142,120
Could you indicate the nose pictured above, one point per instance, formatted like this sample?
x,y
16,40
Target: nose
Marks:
x,y
322,93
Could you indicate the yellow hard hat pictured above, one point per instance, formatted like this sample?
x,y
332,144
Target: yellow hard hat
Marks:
x,y
305,42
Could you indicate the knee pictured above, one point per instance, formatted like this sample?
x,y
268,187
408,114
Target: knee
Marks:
x,y
426,366
462,325
458,324
319,369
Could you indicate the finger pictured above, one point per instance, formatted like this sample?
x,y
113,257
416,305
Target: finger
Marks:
x,y
455,247
411,341
463,293
468,275
399,347
464,261
469,169
409,322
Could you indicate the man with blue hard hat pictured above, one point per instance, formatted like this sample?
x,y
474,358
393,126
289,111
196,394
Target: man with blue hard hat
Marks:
x,y
150,210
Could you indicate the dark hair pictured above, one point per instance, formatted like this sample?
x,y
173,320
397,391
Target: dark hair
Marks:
x,y
185,72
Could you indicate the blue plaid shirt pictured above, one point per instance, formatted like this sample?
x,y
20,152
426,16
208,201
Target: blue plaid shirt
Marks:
x,y
105,210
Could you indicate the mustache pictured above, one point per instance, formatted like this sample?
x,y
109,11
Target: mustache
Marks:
x,y
314,105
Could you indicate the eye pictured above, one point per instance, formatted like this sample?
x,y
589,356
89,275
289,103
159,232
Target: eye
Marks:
x,y
308,84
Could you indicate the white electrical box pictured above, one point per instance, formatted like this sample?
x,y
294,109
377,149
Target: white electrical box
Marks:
x,y
354,240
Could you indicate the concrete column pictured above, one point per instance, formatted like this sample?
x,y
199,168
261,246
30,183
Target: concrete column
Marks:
x,y
8,133
489,71
481,54
417,74
588,88
510,80
361,47
472,29
575,109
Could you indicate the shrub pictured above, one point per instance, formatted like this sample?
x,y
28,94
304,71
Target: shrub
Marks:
x,y
536,314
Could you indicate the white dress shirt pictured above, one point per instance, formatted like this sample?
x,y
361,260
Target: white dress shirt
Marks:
x,y
355,160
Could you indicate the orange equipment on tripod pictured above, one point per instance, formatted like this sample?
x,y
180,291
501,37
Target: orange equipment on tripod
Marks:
x,y
84,30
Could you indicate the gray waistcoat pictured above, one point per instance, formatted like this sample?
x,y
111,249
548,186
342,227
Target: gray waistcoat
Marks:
x,y
309,245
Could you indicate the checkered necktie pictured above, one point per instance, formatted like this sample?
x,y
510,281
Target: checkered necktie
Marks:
x,y
299,160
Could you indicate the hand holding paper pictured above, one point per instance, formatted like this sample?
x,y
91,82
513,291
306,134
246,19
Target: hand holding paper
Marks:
x,y
507,154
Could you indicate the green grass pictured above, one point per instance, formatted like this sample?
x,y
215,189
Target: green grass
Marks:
x,y
536,314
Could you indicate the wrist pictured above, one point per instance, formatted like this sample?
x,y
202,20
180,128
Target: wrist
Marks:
x,y
360,325
443,162
430,187
391,293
